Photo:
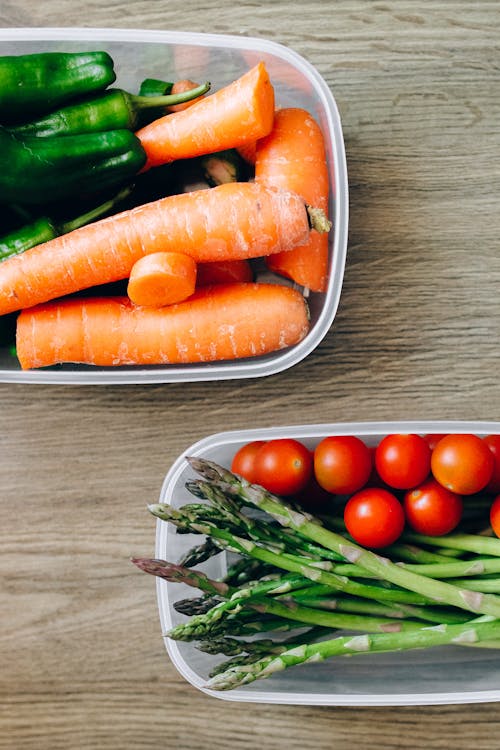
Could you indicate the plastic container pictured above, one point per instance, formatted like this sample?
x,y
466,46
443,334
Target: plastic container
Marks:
x,y
221,59
442,675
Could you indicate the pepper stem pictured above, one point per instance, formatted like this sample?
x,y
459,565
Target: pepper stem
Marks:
x,y
147,102
94,213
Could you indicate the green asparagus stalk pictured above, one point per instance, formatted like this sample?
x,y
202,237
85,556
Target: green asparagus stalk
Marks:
x,y
452,569
438,635
315,598
249,548
200,553
383,568
481,545
178,574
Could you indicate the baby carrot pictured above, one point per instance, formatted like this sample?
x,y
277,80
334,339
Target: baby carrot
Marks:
x,y
222,322
161,279
293,157
223,272
240,112
229,222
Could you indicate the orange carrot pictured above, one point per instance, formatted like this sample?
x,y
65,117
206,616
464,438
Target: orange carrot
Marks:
x,y
248,151
161,279
228,222
222,322
223,272
180,87
230,117
293,157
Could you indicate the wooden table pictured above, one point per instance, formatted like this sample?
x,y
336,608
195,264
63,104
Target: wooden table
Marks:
x,y
416,336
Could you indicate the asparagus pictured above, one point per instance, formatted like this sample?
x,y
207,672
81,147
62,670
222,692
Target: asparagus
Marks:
x,y
247,547
438,635
451,569
383,568
481,545
200,553
314,598
178,574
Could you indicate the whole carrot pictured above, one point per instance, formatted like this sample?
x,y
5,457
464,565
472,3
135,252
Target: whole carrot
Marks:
x,y
228,222
223,322
236,114
293,157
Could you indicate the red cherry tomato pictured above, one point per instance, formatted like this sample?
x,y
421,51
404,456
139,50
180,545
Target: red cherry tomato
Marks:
x,y
433,439
374,517
495,515
462,463
432,509
403,461
342,464
493,443
244,460
283,466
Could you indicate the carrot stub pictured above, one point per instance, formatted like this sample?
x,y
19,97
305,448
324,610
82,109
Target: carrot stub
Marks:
x,y
222,322
236,114
293,157
162,279
230,222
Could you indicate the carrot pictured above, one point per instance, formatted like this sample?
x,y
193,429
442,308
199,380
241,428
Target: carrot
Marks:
x,y
293,157
180,87
248,151
223,322
223,272
228,222
230,117
161,279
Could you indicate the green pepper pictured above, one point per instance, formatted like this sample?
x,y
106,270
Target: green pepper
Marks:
x,y
31,85
153,87
39,171
42,229
110,110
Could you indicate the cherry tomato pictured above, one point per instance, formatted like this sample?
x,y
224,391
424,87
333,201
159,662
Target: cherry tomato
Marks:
x,y
283,466
462,463
374,517
433,439
493,443
495,515
244,460
342,464
403,461
432,509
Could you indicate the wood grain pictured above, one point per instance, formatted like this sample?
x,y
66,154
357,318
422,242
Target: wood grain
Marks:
x,y
416,336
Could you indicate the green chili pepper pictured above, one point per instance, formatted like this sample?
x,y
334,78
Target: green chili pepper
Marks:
x,y
34,84
110,110
40,171
43,228
153,87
